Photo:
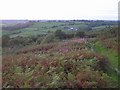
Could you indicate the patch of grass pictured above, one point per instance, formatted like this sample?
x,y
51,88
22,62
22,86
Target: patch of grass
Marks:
x,y
101,27
112,56
98,27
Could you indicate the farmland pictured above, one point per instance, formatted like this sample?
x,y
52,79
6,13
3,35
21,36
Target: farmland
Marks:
x,y
45,27
61,54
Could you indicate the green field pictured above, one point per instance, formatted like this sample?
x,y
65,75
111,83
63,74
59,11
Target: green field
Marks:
x,y
100,27
45,27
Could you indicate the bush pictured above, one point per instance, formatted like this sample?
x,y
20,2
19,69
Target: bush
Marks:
x,y
48,39
5,40
59,34
39,40
109,33
69,35
80,34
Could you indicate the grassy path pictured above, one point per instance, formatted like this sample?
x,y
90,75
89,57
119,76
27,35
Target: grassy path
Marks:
x,y
110,54
113,57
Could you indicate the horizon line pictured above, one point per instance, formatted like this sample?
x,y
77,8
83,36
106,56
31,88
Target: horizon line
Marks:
x,y
61,19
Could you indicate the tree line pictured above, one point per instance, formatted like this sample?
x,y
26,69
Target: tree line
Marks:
x,y
50,37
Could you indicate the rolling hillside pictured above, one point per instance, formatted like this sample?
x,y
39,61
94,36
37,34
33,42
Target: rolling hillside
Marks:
x,y
61,54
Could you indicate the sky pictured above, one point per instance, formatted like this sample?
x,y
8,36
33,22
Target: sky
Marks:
x,y
59,9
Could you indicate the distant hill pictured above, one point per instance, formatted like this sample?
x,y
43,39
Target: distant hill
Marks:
x,y
12,22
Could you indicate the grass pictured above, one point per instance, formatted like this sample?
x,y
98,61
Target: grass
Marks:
x,y
43,28
101,27
98,27
112,56
39,28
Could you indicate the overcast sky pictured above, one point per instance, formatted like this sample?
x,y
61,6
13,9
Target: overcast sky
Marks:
x,y
59,9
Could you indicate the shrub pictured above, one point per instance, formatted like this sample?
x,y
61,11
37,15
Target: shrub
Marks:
x,y
48,39
80,34
39,40
59,34
5,40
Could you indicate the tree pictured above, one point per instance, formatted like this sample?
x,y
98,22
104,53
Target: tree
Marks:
x,y
80,34
59,34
